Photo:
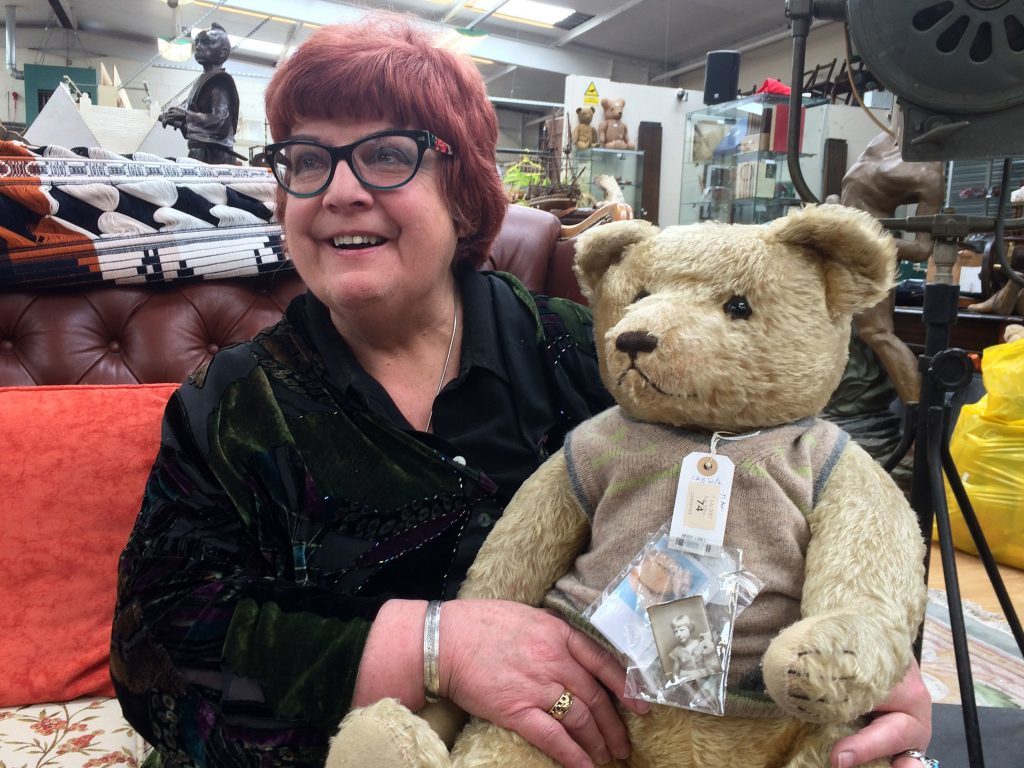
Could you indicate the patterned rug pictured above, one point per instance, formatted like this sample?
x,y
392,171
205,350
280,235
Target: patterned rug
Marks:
x,y
996,663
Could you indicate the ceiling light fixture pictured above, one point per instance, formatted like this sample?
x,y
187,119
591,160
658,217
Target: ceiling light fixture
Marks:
x,y
175,48
255,14
254,45
523,11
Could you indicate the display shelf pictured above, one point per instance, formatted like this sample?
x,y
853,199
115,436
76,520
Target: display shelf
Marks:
x,y
737,167
626,166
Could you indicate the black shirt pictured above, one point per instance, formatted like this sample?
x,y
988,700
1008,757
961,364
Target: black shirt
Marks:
x,y
488,417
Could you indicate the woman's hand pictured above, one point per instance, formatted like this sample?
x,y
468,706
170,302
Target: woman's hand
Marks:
x,y
509,663
903,721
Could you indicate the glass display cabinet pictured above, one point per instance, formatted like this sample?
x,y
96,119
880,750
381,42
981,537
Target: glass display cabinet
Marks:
x,y
626,166
736,167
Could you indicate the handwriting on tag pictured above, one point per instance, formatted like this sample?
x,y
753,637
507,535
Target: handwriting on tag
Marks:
x,y
701,506
702,502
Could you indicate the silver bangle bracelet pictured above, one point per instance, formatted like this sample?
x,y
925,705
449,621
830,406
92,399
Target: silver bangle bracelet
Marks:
x,y
431,640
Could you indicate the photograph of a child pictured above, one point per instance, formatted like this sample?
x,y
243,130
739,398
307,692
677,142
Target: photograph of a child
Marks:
x,y
661,575
683,636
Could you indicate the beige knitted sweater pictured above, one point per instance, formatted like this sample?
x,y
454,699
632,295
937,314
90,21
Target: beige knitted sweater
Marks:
x,y
625,474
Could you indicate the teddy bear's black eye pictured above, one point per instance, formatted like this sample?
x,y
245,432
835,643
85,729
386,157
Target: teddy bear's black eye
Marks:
x,y
642,295
738,307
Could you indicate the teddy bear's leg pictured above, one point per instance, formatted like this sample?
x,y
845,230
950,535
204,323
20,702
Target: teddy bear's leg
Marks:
x,y
669,736
816,745
386,735
483,745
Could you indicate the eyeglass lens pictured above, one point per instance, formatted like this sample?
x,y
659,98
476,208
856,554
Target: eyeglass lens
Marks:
x,y
379,161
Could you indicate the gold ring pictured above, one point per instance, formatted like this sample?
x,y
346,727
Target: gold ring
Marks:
x,y
561,707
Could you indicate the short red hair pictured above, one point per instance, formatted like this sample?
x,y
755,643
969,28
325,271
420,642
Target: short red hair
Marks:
x,y
384,68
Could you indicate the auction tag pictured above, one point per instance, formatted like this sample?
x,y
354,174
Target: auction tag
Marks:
x,y
702,503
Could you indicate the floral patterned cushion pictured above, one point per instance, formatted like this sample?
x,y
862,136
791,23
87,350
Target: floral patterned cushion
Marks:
x,y
85,733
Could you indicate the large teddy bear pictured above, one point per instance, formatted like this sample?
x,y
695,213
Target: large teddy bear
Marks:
x,y
703,329
612,133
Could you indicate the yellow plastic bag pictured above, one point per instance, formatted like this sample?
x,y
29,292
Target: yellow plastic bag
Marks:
x,y
988,449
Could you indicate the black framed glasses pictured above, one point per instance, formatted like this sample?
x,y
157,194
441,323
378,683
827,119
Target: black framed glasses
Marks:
x,y
382,160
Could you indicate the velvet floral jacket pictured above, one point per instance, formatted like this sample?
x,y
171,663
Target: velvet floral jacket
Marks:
x,y
281,514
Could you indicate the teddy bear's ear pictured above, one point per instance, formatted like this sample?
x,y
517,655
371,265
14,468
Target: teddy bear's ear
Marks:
x,y
600,247
858,256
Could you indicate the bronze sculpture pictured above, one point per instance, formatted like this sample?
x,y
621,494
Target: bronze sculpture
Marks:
x,y
209,118
879,182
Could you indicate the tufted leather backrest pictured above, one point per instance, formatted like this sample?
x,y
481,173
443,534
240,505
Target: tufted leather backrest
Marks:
x,y
160,332
132,334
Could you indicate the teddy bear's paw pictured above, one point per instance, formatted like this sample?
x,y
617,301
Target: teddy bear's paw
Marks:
x,y
822,677
386,735
825,686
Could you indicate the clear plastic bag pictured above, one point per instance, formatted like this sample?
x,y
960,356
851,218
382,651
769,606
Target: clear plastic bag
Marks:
x,y
988,449
671,613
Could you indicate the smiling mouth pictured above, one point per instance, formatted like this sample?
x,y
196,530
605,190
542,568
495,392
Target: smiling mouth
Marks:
x,y
357,241
651,383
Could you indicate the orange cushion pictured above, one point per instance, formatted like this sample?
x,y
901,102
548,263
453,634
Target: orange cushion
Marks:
x,y
73,466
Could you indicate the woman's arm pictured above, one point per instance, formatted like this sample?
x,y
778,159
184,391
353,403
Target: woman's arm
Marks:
x,y
217,655
506,663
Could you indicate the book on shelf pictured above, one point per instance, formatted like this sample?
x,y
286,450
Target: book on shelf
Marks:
x,y
780,129
756,178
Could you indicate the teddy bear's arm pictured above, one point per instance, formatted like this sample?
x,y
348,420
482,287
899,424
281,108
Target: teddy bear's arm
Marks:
x,y
863,598
534,542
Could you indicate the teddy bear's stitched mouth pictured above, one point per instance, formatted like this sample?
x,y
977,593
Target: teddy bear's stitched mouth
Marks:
x,y
652,384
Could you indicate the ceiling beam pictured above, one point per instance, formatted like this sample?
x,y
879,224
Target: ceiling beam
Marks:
x,y
454,11
597,21
493,47
497,7
498,75
751,45
61,14
292,31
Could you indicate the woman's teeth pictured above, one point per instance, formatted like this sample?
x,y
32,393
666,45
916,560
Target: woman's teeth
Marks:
x,y
349,240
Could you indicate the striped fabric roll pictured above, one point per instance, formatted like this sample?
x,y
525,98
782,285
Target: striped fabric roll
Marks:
x,y
87,216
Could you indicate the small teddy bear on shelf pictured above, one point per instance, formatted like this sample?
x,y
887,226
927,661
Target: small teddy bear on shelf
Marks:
x,y
584,135
612,132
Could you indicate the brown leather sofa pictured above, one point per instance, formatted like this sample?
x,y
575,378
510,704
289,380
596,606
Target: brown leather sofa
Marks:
x,y
155,333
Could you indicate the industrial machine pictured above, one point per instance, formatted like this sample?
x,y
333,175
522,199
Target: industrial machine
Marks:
x,y
956,68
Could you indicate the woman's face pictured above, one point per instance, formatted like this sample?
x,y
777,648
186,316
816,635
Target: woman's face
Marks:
x,y
357,248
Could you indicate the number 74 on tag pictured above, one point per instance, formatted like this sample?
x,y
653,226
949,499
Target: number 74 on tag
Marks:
x,y
702,502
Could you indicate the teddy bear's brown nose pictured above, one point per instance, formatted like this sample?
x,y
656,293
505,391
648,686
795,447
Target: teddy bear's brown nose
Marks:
x,y
635,342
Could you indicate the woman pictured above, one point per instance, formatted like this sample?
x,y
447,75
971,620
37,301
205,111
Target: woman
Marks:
x,y
317,485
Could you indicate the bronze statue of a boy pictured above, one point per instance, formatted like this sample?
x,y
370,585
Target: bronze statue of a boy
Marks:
x,y
210,118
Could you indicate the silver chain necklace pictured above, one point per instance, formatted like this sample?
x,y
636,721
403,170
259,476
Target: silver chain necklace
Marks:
x,y
447,358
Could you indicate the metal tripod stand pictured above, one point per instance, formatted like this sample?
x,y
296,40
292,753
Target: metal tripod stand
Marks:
x,y
944,372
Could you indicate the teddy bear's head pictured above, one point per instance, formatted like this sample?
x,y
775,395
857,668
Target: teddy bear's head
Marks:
x,y
612,108
731,327
585,115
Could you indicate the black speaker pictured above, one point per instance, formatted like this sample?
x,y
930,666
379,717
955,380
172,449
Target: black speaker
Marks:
x,y
721,76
